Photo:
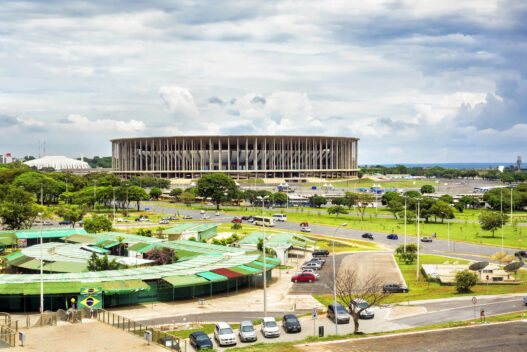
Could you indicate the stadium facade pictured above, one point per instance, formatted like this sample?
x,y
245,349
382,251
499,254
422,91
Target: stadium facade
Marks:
x,y
242,157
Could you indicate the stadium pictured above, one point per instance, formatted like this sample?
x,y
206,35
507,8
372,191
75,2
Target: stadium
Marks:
x,y
241,157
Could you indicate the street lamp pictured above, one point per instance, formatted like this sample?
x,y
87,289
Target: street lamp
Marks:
x,y
418,237
113,191
501,216
41,270
335,280
405,198
264,255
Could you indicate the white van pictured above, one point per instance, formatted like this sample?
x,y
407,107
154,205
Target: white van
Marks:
x,y
280,217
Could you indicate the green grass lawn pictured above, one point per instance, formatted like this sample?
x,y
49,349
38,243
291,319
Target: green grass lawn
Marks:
x,y
422,289
367,183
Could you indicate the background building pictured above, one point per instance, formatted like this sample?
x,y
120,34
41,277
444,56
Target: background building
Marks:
x,y
239,156
57,163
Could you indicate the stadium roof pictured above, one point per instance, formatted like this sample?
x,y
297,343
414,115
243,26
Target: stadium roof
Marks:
x,y
57,163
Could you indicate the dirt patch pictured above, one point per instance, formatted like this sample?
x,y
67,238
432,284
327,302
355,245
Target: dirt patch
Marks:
x,y
366,264
86,337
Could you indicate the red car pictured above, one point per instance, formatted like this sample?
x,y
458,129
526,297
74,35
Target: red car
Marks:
x,y
238,220
303,277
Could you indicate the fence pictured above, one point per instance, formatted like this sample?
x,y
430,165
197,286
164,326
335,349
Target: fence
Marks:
x,y
159,337
8,329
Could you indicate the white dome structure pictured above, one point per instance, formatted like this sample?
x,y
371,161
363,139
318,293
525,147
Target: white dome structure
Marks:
x,y
57,163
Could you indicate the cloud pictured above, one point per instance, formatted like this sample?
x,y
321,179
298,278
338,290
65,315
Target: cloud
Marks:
x,y
216,100
80,123
7,121
179,101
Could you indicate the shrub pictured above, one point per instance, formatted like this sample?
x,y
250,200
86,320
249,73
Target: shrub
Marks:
x,y
465,280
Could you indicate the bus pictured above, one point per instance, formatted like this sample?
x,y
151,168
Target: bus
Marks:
x,y
263,220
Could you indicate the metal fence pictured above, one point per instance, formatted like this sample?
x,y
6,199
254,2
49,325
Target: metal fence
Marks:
x,y
161,338
8,335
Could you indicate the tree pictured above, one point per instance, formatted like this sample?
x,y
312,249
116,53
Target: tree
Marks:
x,y
17,207
447,198
427,189
73,214
408,256
468,201
353,289
162,256
317,201
155,193
96,263
491,221
337,209
389,196
218,187
442,210
144,232
187,198
278,198
98,223
236,226
465,279
351,199
338,201
176,192
364,200
412,194
137,194
395,206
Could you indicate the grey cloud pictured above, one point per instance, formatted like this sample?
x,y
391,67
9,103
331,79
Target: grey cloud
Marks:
x,y
258,100
7,121
216,100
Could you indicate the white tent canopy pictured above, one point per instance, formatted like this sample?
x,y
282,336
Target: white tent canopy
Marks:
x,y
57,163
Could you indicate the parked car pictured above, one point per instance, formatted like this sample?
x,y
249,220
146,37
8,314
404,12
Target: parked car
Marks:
x,y
304,224
137,219
395,288
245,217
172,218
522,253
169,341
270,328
200,340
224,335
367,313
525,300
145,219
340,312
311,265
367,235
392,236
187,217
250,219
290,323
47,223
65,222
426,239
164,222
318,260
311,271
217,213
303,277
202,211
321,253
247,332
164,218
121,220
238,220
305,229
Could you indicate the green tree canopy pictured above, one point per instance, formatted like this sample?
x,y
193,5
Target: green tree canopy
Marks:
x,y
72,213
278,198
98,223
395,206
465,279
317,201
427,189
218,187
337,209
412,194
408,256
18,209
176,192
97,263
442,210
389,196
137,194
447,198
491,221
155,193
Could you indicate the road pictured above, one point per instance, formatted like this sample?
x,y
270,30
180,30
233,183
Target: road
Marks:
x,y
510,337
470,251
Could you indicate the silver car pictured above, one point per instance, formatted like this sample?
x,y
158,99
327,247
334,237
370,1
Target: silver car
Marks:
x,y
247,332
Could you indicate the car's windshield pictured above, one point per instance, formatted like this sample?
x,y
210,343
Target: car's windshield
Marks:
x,y
291,320
202,338
341,309
247,328
270,324
362,305
225,331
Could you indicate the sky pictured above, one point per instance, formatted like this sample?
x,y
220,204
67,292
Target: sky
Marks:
x,y
416,81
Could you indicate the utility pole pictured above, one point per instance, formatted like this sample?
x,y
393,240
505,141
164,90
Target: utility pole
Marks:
x,y
405,224
418,237
41,269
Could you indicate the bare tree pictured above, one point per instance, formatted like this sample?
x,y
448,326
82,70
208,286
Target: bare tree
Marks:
x,y
354,289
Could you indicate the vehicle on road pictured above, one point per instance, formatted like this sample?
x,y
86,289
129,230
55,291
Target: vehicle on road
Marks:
x,y
359,304
263,221
169,341
320,253
395,288
250,219
137,219
525,300
164,222
305,229
47,223
245,217
65,222
144,219
303,277
290,323
392,236
217,214
200,340
311,265
173,218
224,335
426,239
280,217
340,312
270,328
247,332
367,235
187,217
236,220
202,211
206,216
121,220
522,253
317,275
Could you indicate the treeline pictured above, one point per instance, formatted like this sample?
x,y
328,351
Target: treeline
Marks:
x,y
508,175
104,162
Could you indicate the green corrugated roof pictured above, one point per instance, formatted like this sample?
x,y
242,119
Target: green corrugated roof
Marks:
x,y
148,248
213,277
66,267
185,280
32,264
107,243
137,246
269,260
78,238
251,269
96,249
33,288
56,233
242,271
120,287
14,255
190,226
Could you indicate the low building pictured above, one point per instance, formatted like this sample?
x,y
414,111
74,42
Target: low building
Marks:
x,y
200,231
280,242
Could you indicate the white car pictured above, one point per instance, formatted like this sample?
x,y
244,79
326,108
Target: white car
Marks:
x,y
224,335
311,265
270,328
311,271
217,213
305,229
202,212
121,220
367,313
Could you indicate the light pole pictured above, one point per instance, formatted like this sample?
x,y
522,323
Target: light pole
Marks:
x,y
264,255
41,270
405,198
501,216
511,205
113,191
95,196
418,239
448,230
335,280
